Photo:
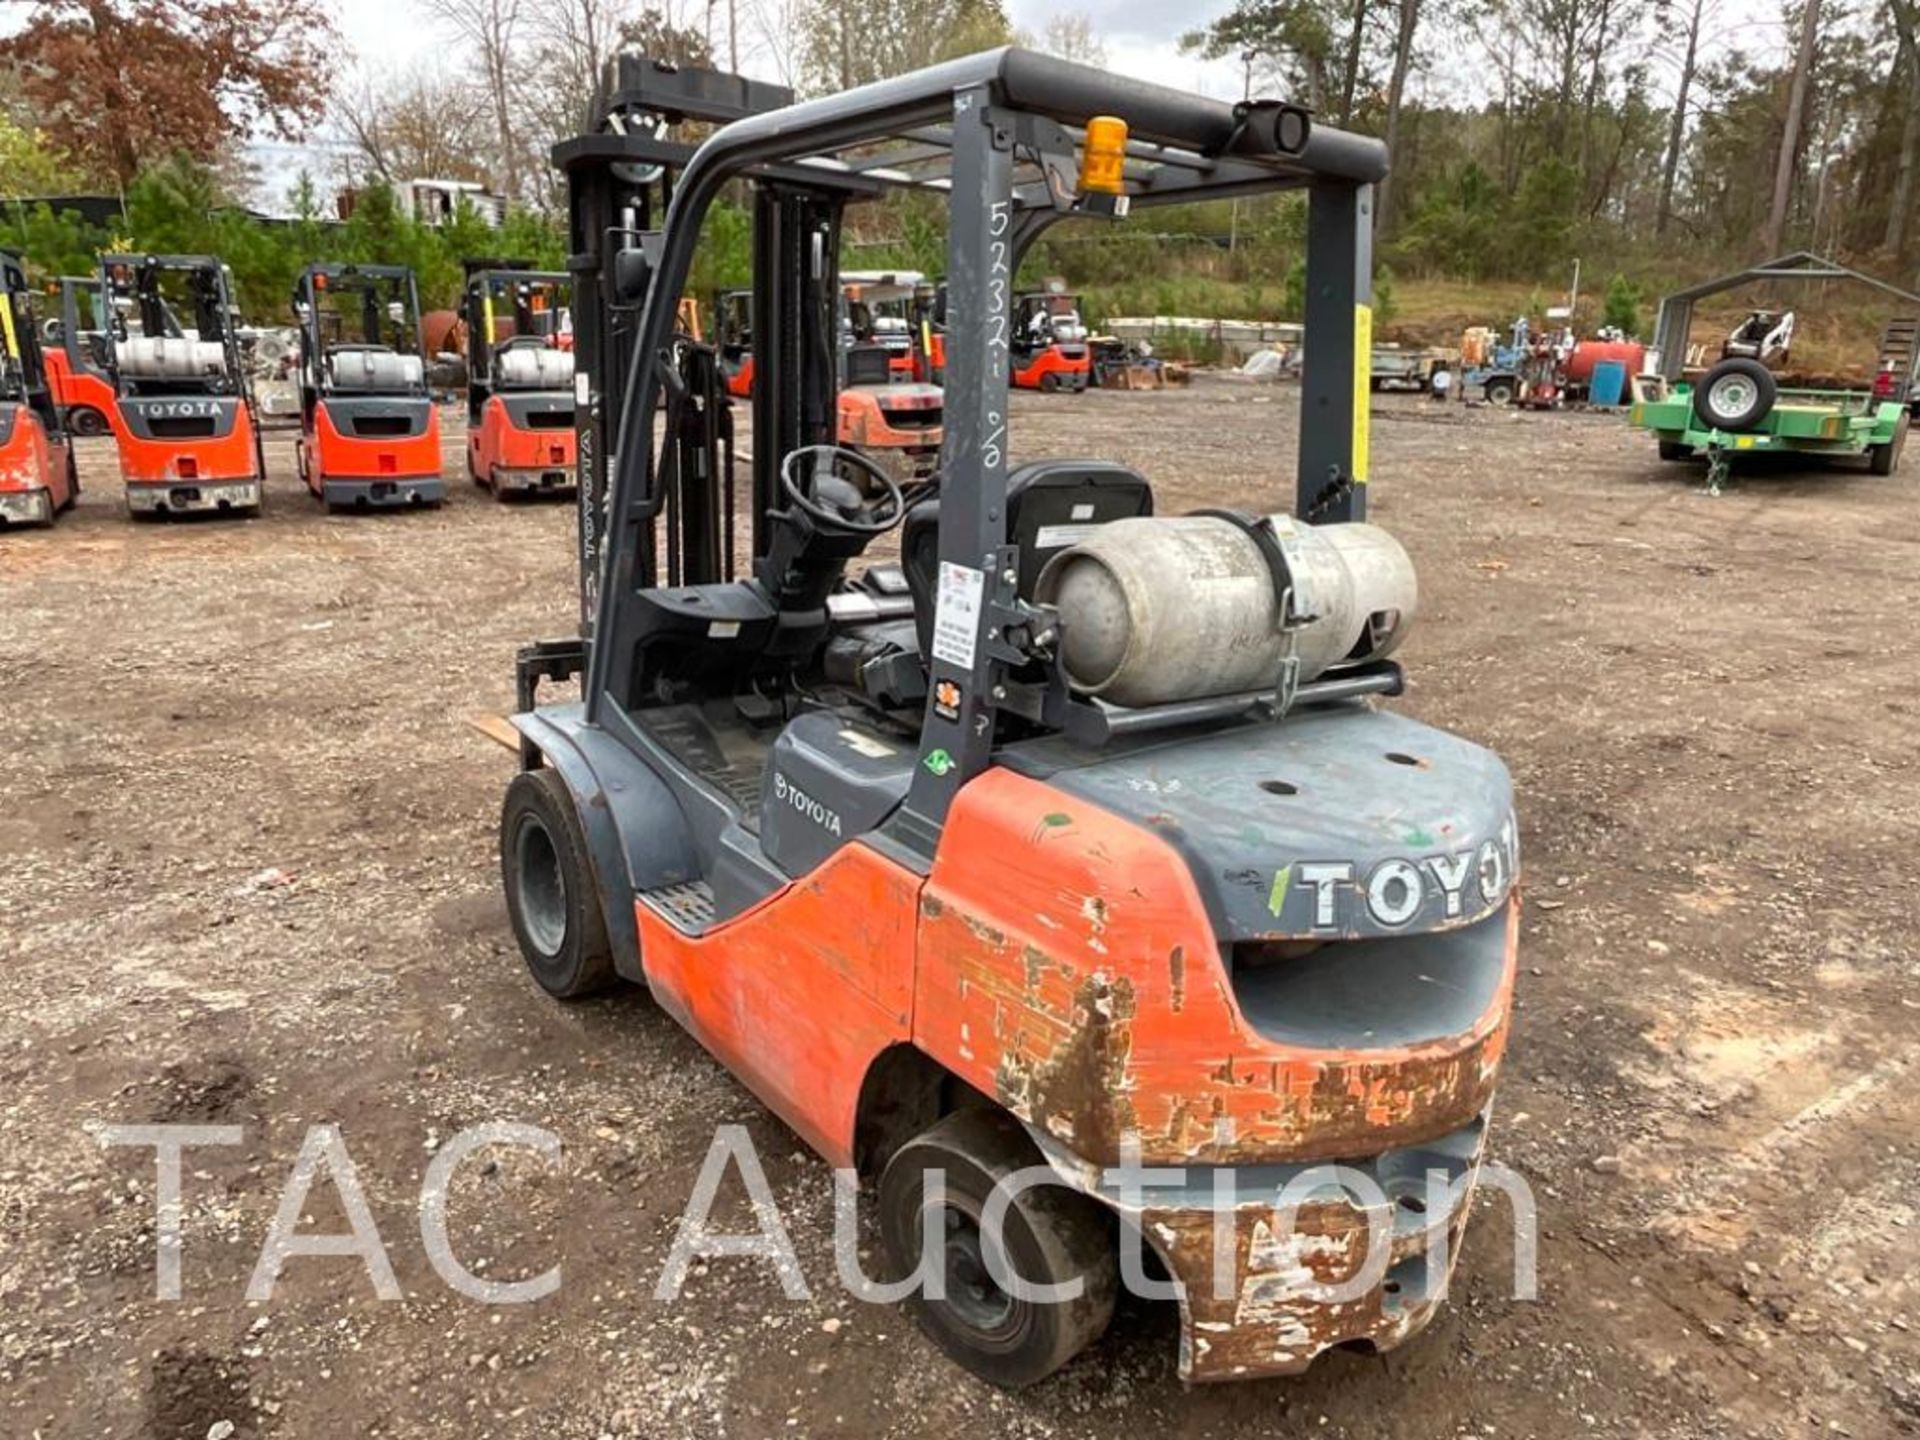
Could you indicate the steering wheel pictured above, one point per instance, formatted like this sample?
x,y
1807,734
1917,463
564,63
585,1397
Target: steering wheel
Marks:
x,y
840,504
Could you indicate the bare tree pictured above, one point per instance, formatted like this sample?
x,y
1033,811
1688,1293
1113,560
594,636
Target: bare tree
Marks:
x,y
1677,126
491,30
1906,22
1790,134
1404,32
419,122
1070,35
781,43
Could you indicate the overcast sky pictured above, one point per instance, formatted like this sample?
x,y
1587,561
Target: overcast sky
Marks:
x,y
1141,36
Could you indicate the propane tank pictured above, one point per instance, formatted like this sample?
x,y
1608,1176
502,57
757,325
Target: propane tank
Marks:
x,y
1159,609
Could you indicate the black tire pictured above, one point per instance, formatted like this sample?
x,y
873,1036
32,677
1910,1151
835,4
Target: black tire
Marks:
x,y
1885,459
73,480
1736,394
87,421
1052,1235
552,898
1674,450
1500,392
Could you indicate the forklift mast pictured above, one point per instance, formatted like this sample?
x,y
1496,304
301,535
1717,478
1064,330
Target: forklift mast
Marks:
x,y
204,288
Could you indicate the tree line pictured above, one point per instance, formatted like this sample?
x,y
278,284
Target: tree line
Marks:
x,y
1646,136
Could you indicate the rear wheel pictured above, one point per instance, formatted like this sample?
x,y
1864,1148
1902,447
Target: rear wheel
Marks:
x,y
1500,392
1885,459
85,420
1049,1235
552,897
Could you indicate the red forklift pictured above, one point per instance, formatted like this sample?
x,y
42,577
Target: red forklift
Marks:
x,y
520,438
188,435
369,429
1049,343
1072,842
76,357
38,476
733,338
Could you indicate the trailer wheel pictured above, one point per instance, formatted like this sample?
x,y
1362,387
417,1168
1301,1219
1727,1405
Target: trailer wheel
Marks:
x,y
552,898
1050,1236
1736,394
1675,450
1500,392
1885,459
87,421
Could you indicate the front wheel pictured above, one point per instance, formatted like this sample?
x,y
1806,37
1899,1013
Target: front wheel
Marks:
x,y
1500,393
553,899
87,421
1048,1235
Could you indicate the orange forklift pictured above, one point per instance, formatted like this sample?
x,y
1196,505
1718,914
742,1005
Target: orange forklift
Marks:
x,y
733,338
369,429
1049,343
188,436
520,438
38,476
1066,878
77,357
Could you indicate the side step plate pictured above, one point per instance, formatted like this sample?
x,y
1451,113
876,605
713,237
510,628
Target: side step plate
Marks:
x,y
688,907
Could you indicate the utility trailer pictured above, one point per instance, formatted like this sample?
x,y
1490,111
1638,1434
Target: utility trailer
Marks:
x,y
1737,408
981,864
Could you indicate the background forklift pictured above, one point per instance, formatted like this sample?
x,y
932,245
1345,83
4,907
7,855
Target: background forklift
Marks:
x,y
520,437
1050,350
369,430
733,338
188,436
76,356
38,476
886,408
978,861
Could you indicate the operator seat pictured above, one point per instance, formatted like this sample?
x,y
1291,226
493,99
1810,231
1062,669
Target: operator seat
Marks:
x,y
1051,505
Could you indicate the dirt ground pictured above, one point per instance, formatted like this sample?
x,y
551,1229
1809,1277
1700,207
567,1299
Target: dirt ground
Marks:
x,y
250,879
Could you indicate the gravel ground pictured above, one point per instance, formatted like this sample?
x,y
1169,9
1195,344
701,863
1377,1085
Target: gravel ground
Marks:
x,y
248,839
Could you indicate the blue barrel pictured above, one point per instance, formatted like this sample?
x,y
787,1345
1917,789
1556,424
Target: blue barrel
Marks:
x,y
1609,383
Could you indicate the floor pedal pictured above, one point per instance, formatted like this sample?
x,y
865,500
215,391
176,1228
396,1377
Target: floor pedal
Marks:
x,y
687,907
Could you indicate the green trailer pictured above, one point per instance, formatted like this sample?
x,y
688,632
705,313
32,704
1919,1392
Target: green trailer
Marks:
x,y
1738,408
1738,413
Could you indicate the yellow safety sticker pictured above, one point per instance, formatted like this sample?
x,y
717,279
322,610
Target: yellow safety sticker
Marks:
x,y
1362,387
6,326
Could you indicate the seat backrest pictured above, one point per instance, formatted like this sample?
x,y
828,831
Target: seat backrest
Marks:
x,y
869,365
1051,505
167,357
529,367
364,367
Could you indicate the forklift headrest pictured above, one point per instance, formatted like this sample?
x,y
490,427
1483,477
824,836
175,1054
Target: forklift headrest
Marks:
x,y
526,367
167,357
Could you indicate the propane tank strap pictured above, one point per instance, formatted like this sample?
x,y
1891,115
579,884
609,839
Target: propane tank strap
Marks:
x,y
1259,529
